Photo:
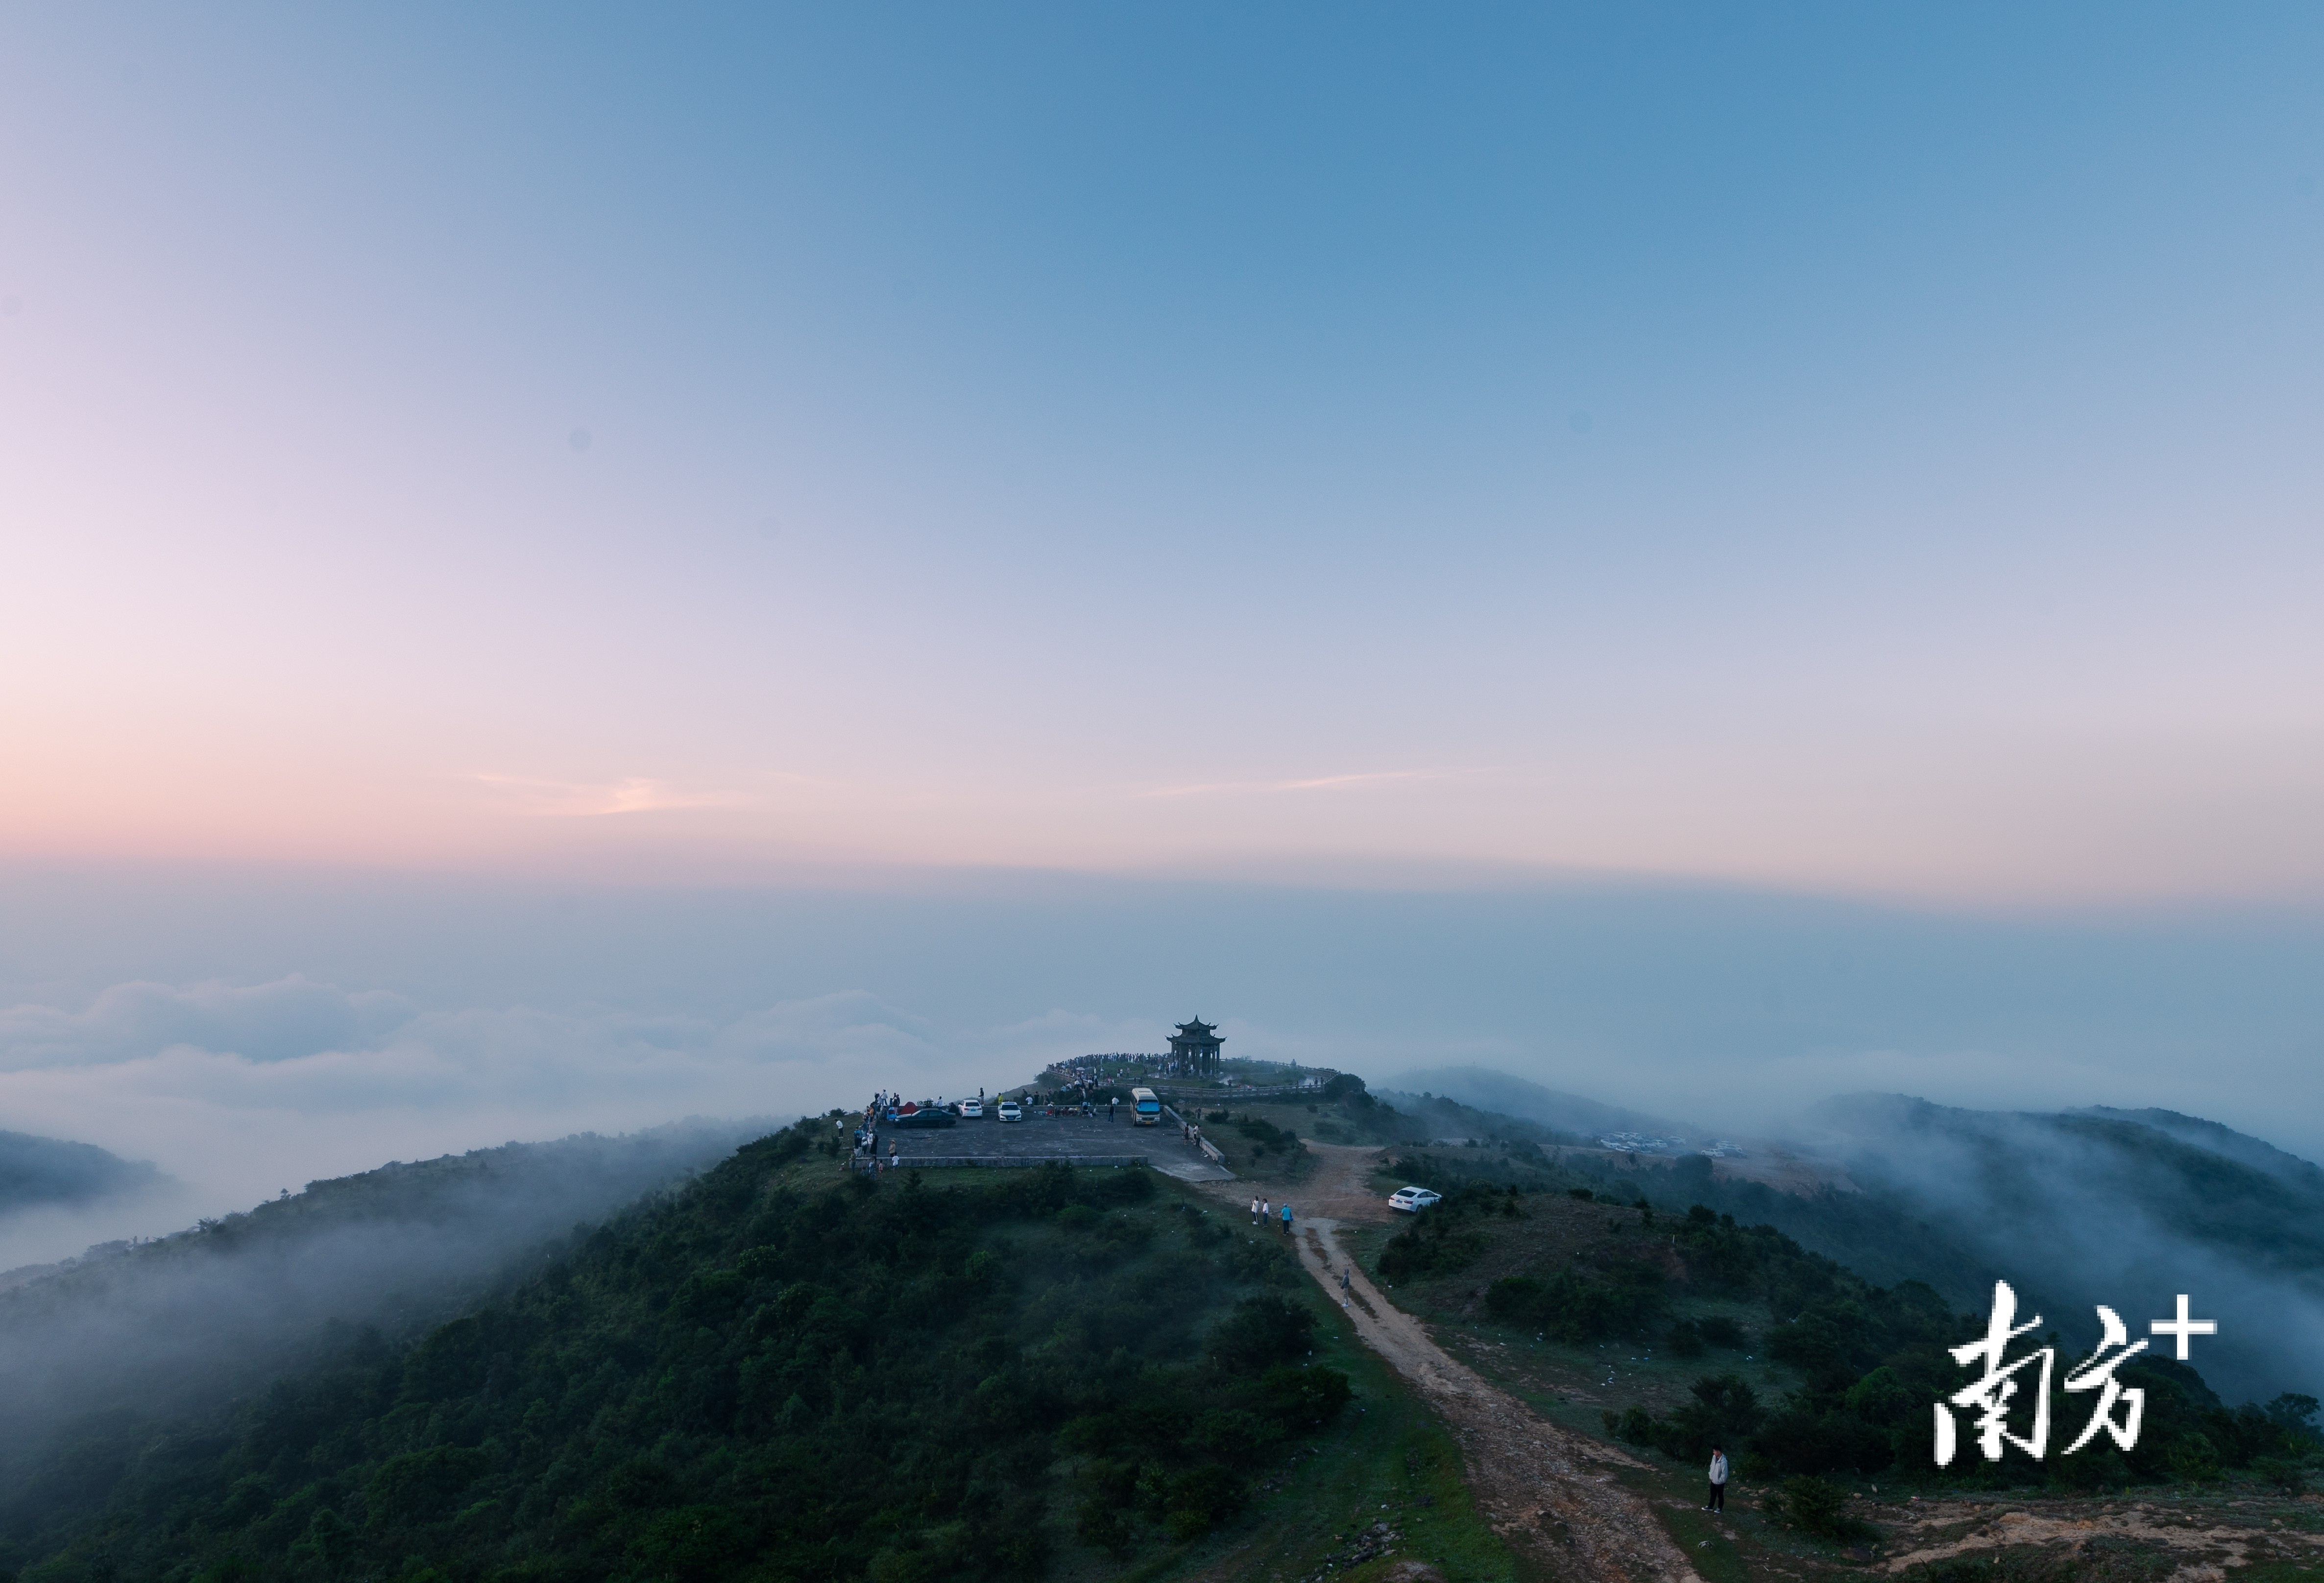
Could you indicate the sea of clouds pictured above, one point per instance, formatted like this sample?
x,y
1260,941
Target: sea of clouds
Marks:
x,y
238,1091
247,1035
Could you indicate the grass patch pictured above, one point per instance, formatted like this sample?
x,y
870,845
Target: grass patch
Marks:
x,y
1711,1553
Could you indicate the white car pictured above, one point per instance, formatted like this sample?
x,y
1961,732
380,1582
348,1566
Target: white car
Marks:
x,y
1011,1111
1412,1200
971,1109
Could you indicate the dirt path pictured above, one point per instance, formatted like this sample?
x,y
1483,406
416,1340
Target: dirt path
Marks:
x,y
1547,1491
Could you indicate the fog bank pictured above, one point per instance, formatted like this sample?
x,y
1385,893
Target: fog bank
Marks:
x,y
250,1031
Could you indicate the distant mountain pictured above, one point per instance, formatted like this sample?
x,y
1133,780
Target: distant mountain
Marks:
x,y
1487,1089
40,1172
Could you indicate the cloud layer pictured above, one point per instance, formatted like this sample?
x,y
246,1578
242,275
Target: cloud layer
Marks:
x,y
240,1090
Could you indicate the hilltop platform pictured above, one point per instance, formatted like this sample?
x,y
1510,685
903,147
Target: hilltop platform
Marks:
x,y
1038,1139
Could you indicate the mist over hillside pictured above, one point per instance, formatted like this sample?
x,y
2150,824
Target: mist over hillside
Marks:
x,y
2076,1208
186,1320
2085,1208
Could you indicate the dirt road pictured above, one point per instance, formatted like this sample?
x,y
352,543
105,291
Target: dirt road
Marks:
x,y
1548,1492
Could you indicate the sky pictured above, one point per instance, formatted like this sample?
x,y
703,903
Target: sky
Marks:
x,y
1361,463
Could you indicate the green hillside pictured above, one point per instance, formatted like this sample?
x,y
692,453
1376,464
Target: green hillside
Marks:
x,y
1685,1329
2078,1209
179,1323
774,1373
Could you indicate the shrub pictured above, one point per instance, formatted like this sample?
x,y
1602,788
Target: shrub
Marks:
x,y
1572,1307
1719,1331
1266,1135
1635,1424
1201,1499
1100,1525
2193,1458
1430,1247
1305,1398
2284,1474
1819,1506
1260,1333
1724,1413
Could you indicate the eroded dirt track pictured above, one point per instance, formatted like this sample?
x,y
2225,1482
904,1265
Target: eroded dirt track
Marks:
x,y
1550,1494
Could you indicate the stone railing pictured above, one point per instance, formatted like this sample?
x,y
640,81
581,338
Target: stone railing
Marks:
x,y
1217,1154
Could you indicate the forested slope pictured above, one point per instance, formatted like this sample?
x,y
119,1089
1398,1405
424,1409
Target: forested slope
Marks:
x,y
772,1373
177,1323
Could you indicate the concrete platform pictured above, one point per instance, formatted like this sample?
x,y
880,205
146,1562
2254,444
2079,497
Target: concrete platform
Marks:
x,y
1038,1139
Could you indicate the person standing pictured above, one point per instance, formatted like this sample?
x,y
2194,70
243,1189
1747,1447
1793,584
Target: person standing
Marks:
x,y
1109,1102
1718,1502
1254,1212
1265,1211
1286,1219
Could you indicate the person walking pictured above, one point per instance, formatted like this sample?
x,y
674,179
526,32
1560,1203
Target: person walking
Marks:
x,y
1346,1284
1286,1219
1110,1103
1718,1502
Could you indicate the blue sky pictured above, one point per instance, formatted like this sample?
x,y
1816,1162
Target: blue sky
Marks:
x,y
1859,454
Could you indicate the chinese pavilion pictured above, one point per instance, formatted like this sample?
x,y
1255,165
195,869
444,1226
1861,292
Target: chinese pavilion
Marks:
x,y
1197,1044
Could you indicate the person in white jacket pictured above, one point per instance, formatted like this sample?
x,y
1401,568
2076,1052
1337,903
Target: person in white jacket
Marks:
x,y
1718,1502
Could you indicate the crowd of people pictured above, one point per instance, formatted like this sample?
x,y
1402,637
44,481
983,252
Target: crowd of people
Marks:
x,y
1073,1096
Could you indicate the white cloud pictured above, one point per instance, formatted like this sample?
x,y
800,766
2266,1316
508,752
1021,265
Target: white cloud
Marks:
x,y
241,1091
276,1021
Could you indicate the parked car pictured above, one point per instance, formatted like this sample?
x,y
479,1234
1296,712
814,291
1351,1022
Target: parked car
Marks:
x,y
1412,1200
971,1109
1011,1111
931,1116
